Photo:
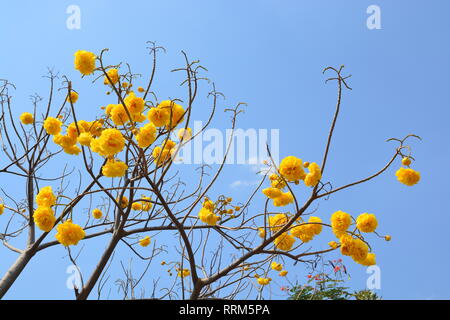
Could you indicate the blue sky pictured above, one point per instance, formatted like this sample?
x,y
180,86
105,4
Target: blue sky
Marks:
x,y
270,54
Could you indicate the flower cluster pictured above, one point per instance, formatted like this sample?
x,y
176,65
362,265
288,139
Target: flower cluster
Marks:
x,y
291,170
167,113
306,231
350,245
263,281
206,213
164,153
44,216
407,176
108,135
357,249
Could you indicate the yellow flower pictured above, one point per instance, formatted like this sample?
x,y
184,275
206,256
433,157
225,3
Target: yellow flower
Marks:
x,y
144,241
207,216
109,108
84,62
306,232
340,221
123,202
85,139
346,242
134,104
261,232
277,221
65,141
276,181
168,144
44,218
69,233
72,130
26,118
208,204
136,206
113,75
387,238
314,175
73,96
303,232
97,213
52,125
110,142
370,260
185,134
184,273
284,242
140,89
95,127
156,152
366,222
2,208
272,193
264,281
173,109
45,197
146,135
146,205
74,150
333,244
114,168
283,273
158,116
284,199
408,176
291,168
315,225
354,247
359,250
118,114
406,161
276,266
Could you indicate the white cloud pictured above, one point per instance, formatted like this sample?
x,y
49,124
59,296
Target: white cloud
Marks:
x,y
243,183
